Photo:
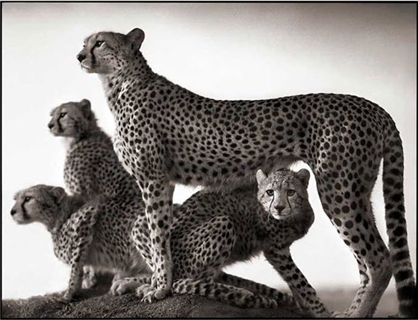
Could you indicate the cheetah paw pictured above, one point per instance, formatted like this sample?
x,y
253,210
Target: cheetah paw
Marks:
x,y
271,303
69,296
89,282
339,314
261,300
123,286
149,294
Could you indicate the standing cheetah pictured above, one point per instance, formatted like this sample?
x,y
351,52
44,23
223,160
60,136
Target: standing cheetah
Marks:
x,y
166,134
214,229
94,234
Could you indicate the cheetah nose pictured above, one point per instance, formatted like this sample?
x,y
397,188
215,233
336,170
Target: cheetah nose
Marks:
x,y
81,57
12,212
279,208
50,125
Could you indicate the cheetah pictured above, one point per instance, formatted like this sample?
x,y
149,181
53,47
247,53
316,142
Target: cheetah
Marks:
x,y
214,229
94,234
91,166
166,134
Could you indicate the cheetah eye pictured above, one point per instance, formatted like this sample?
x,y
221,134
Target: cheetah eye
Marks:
x,y
290,192
270,192
27,198
62,114
98,44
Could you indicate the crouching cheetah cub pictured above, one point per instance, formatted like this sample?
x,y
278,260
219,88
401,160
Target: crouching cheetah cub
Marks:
x,y
94,234
214,229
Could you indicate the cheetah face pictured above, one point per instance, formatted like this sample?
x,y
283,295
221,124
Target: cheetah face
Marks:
x,y
282,191
39,203
107,52
71,119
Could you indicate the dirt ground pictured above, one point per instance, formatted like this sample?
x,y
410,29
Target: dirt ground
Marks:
x,y
96,303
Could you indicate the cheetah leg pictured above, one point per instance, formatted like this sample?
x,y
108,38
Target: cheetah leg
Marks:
x,y
352,216
210,289
76,276
83,236
157,195
303,293
254,287
140,236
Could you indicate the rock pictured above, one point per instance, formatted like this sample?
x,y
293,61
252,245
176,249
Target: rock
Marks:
x,y
97,303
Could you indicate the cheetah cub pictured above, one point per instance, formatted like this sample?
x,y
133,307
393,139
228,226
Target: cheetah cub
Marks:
x,y
91,165
213,229
94,234
284,196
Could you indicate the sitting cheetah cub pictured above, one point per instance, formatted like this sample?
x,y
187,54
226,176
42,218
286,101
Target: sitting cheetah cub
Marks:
x,y
92,234
284,196
214,229
91,165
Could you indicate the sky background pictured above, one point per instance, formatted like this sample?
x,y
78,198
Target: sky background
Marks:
x,y
223,51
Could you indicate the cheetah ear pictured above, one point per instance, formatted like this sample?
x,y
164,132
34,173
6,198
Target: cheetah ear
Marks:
x,y
85,107
261,176
58,194
304,175
136,36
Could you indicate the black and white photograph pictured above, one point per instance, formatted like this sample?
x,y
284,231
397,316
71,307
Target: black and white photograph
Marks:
x,y
209,160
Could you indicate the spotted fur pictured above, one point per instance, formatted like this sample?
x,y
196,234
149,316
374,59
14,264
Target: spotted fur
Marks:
x,y
91,166
94,234
213,229
166,134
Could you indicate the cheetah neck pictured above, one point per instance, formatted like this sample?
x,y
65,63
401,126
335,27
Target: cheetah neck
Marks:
x,y
67,207
136,73
94,132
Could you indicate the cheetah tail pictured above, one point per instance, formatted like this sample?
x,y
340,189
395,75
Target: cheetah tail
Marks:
x,y
393,172
235,296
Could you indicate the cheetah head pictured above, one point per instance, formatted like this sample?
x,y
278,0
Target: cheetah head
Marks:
x,y
72,119
283,191
39,203
108,52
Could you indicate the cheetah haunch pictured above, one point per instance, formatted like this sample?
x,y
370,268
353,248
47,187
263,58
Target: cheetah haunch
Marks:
x,y
94,234
166,134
